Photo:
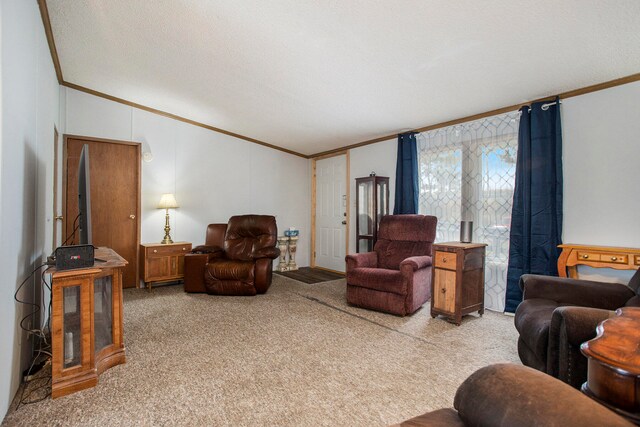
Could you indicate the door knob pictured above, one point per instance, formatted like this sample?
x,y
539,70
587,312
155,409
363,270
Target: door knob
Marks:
x,y
132,216
344,222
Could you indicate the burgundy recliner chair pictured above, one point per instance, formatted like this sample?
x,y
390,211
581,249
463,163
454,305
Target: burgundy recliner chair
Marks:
x,y
396,277
236,259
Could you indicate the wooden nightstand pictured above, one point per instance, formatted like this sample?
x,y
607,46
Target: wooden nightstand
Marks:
x,y
162,262
457,284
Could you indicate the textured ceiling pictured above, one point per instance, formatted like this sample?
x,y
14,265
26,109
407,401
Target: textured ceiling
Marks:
x,y
311,76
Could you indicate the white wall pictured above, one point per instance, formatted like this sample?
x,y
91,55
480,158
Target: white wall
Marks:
x,y
601,154
29,114
213,176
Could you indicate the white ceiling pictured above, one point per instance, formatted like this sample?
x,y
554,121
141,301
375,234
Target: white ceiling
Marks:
x,y
311,76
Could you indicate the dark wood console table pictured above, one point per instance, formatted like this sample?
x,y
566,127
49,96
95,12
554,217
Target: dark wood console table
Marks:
x,y
86,323
613,377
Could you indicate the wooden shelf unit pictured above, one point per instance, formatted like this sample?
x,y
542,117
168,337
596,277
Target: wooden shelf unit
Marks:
x,y
162,262
457,284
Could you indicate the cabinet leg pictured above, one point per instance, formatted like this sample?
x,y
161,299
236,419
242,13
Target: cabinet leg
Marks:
x,y
481,312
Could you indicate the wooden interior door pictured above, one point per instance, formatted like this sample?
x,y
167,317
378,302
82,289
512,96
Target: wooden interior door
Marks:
x,y
115,197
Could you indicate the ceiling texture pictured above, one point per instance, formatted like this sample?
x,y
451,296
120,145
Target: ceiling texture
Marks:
x,y
312,76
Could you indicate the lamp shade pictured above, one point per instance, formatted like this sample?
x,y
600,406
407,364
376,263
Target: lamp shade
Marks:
x,y
168,201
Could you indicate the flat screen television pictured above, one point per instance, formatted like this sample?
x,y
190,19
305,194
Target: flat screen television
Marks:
x,y
84,197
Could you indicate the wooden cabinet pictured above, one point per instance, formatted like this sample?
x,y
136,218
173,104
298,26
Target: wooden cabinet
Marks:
x,y
457,285
86,323
372,203
162,262
596,256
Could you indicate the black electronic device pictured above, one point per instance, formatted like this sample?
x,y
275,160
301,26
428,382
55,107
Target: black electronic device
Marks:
x,y
75,256
84,197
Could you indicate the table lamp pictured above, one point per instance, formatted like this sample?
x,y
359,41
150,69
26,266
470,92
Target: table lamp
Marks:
x,y
167,201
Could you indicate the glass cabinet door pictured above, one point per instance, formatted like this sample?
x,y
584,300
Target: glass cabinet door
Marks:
x,y
72,326
103,312
372,194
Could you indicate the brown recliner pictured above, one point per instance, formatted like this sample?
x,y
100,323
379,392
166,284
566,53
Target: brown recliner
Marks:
x,y
396,277
236,259
510,395
558,314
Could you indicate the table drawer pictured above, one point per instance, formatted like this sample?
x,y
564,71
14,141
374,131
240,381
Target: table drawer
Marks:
x,y
167,250
446,260
637,262
588,256
615,258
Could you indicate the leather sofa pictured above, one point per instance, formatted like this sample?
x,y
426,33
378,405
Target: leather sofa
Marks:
x,y
396,276
558,314
236,259
512,395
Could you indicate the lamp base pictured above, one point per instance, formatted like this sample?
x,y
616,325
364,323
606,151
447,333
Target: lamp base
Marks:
x,y
167,229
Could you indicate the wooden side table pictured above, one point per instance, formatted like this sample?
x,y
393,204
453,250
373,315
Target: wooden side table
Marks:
x,y
457,284
162,262
596,256
613,376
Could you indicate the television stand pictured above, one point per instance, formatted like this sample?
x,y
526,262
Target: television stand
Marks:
x,y
86,323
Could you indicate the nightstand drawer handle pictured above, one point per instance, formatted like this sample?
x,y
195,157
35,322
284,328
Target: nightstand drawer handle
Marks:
x,y
614,258
184,249
444,259
155,251
585,256
443,290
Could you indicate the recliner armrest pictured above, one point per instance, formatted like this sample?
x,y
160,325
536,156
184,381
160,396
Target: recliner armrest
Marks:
x,y
586,293
362,260
417,262
269,252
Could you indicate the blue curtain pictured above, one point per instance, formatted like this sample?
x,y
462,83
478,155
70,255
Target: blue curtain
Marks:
x,y
536,218
406,175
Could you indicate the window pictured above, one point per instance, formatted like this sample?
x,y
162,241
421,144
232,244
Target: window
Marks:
x,y
467,172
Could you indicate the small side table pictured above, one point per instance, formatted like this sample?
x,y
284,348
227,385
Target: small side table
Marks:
x,y
613,377
162,262
457,284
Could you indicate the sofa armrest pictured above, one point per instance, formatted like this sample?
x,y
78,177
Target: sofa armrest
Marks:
x,y
570,327
578,323
269,252
363,260
513,395
586,293
416,262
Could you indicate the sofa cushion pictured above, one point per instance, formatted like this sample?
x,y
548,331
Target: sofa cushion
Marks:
x,y
378,279
532,320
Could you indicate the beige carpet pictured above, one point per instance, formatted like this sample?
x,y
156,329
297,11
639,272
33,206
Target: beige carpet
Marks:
x,y
295,356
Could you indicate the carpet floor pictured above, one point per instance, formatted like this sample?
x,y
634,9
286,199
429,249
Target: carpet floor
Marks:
x,y
297,356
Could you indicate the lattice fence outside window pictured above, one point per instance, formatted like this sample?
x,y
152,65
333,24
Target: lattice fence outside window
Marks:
x,y
467,172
